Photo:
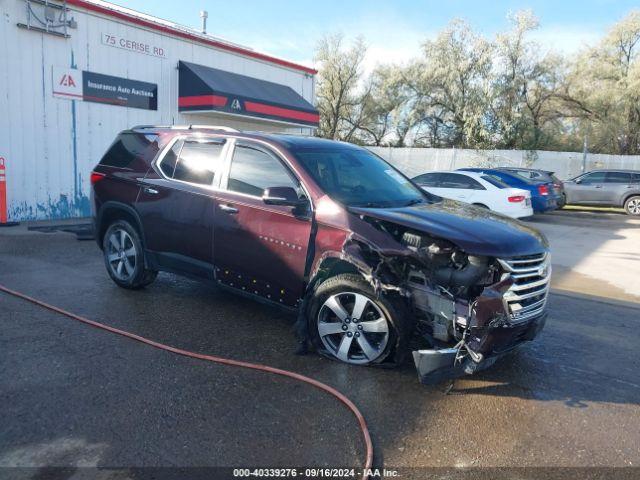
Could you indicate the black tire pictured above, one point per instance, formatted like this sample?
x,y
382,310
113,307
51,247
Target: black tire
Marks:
x,y
563,201
396,313
127,271
632,205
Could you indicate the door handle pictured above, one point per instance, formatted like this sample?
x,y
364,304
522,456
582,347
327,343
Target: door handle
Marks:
x,y
598,186
229,209
150,190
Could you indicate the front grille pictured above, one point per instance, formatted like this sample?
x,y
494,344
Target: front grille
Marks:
x,y
527,297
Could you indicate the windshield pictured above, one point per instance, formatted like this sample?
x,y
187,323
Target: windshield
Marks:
x,y
358,178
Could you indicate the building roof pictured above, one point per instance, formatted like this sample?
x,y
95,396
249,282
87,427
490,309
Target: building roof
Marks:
x,y
165,26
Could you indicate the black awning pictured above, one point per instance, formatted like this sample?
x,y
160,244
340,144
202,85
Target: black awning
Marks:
x,y
205,89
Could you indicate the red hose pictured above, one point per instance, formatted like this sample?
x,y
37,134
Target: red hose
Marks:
x,y
224,361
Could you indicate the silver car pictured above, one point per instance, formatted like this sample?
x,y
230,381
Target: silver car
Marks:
x,y
611,188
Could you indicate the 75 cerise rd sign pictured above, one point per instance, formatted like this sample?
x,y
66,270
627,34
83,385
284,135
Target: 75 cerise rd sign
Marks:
x,y
132,45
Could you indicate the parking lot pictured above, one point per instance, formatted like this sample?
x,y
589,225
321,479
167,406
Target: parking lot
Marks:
x,y
74,396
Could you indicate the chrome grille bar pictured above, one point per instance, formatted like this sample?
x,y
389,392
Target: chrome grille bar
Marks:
x,y
527,297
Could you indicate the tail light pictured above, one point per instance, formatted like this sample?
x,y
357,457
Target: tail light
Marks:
x,y
96,177
543,190
517,198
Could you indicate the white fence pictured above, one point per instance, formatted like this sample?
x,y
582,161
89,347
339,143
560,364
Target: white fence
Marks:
x,y
414,161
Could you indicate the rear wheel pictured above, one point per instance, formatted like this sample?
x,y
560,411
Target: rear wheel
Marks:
x,y
563,200
632,205
352,324
124,256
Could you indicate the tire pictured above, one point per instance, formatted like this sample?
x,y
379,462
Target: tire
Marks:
x,y
382,337
632,205
563,201
124,257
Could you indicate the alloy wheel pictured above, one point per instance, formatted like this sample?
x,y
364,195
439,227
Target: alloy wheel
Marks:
x,y
633,207
353,328
121,254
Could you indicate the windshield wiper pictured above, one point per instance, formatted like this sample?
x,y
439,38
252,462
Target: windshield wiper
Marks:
x,y
414,201
370,205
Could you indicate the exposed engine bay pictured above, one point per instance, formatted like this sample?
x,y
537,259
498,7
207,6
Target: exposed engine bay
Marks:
x,y
468,309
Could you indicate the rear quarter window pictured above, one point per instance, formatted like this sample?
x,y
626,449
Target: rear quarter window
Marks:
x,y
130,146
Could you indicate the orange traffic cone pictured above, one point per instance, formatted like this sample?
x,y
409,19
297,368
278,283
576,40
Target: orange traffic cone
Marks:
x,y
3,195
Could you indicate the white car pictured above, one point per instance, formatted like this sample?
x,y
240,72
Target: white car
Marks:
x,y
481,189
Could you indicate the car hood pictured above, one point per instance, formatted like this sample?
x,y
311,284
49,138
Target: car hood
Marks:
x,y
475,230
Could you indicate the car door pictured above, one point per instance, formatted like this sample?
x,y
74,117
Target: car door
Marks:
x,y
616,185
260,248
456,186
587,189
176,205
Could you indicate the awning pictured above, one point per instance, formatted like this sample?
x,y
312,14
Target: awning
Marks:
x,y
205,89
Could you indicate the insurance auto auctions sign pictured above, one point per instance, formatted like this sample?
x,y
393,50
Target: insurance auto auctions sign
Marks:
x,y
100,88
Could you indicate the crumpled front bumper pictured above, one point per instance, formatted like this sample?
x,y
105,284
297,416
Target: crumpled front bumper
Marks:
x,y
435,366
490,331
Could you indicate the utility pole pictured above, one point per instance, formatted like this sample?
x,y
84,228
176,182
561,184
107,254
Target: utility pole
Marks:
x,y
584,154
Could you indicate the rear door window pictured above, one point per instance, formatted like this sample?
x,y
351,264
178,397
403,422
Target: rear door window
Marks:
x,y
428,179
618,177
168,162
252,170
456,180
198,162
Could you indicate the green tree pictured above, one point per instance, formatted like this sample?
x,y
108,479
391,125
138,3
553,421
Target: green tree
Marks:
x,y
339,74
602,92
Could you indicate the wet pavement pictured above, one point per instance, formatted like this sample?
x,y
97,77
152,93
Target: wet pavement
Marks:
x,y
72,395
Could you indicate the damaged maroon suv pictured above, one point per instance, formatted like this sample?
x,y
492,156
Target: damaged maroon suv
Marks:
x,y
374,266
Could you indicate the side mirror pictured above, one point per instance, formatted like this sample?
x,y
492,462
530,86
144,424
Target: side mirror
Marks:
x,y
285,196
577,181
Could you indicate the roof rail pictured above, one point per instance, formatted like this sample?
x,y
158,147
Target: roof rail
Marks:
x,y
187,127
215,127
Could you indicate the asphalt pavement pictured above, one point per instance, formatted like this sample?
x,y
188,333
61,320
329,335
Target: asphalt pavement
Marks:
x,y
74,396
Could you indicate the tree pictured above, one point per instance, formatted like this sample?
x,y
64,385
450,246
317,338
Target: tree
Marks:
x,y
451,81
388,107
339,74
602,92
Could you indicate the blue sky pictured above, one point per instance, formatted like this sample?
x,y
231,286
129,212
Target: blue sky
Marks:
x,y
393,30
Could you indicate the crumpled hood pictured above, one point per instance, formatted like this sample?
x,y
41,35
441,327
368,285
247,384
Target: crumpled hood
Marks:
x,y
475,230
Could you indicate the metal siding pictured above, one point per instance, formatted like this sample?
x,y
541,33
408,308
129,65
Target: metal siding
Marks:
x,y
47,176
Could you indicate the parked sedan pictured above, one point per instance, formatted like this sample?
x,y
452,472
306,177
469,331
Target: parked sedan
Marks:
x,y
543,197
478,189
609,188
542,176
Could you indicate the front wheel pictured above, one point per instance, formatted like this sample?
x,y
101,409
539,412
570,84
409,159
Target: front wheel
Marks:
x,y
124,257
352,324
632,205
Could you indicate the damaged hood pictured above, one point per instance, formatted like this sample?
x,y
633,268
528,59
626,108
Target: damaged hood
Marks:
x,y
475,230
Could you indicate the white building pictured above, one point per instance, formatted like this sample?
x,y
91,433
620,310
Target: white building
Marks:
x,y
76,73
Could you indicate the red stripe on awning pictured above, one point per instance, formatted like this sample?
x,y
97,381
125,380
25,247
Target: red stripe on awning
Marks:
x,y
202,101
281,112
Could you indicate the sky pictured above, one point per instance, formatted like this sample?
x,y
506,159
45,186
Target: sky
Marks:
x,y
392,30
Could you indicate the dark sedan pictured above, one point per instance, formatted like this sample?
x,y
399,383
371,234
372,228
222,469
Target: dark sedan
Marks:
x,y
543,176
